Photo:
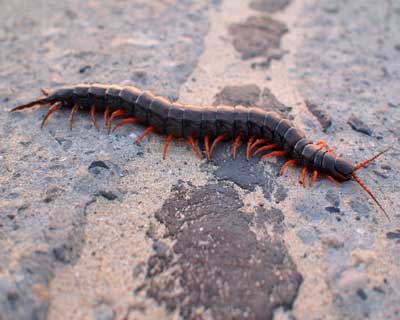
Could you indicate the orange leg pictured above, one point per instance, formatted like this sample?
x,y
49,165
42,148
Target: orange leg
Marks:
x,y
72,115
207,146
257,143
55,107
215,142
123,122
265,148
235,145
303,176
93,116
115,114
287,164
321,144
106,114
194,147
314,177
145,133
333,180
249,143
274,154
168,140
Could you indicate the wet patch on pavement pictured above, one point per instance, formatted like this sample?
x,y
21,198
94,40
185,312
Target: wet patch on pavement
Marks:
x,y
259,36
223,261
322,116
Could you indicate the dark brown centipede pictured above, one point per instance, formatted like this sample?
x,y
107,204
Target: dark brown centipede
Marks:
x,y
266,130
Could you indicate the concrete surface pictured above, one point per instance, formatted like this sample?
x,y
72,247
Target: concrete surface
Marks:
x,y
94,227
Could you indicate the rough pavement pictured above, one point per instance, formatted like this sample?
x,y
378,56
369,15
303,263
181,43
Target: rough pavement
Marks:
x,y
94,227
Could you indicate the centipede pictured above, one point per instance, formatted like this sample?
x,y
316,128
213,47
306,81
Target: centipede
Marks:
x,y
264,133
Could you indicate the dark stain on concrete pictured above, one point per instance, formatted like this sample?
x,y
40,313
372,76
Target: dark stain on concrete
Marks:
x,y
246,174
270,6
321,115
259,36
245,95
218,264
358,125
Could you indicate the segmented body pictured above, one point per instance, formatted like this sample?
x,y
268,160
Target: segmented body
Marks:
x,y
238,123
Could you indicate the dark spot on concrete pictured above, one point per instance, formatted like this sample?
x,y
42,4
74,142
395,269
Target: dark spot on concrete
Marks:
x,y
258,37
361,293
270,6
397,47
96,166
218,263
109,195
246,95
393,235
393,105
332,209
359,125
63,253
84,69
320,114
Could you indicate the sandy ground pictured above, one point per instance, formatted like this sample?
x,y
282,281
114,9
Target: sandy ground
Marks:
x,y
95,227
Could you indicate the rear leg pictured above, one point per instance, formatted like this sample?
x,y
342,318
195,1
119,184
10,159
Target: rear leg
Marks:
x,y
195,148
72,115
55,107
115,114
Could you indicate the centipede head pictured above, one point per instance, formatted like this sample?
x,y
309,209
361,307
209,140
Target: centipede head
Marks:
x,y
356,178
